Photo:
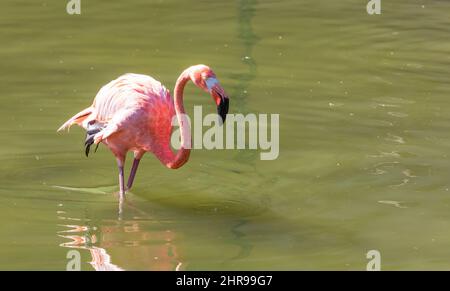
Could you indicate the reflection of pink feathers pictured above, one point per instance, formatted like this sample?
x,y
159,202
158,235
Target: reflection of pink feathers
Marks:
x,y
101,260
134,113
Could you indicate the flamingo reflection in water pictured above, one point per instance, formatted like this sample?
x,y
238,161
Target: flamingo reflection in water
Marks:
x,y
123,245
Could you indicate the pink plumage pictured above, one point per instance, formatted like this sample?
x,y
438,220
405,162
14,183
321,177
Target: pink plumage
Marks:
x,y
134,113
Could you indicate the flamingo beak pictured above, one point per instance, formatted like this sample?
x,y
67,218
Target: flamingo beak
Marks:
x,y
219,96
222,108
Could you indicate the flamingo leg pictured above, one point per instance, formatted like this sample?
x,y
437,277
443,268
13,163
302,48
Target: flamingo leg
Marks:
x,y
122,189
133,172
120,163
121,183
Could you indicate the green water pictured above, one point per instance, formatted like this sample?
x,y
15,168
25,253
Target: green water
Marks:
x,y
364,136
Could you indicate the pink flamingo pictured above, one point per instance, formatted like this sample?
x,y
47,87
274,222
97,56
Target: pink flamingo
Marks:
x,y
134,113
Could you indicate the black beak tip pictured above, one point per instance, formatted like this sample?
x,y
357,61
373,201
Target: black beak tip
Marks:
x,y
222,118
222,109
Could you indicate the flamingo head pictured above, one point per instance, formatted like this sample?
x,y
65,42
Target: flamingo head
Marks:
x,y
204,78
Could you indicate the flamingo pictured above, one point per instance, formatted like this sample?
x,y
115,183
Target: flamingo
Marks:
x,y
134,113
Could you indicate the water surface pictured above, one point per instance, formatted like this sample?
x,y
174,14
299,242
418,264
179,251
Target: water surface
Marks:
x,y
364,140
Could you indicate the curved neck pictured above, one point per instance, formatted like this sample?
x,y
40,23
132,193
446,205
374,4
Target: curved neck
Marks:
x,y
182,156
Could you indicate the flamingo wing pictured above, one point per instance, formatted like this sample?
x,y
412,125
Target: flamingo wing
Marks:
x,y
127,102
127,91
122,101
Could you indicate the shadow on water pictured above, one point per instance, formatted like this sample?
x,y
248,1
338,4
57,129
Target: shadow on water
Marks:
x,y
246,36
248,39
245,247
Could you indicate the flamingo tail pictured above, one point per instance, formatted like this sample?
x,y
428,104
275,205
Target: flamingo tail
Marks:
x,y
77,118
